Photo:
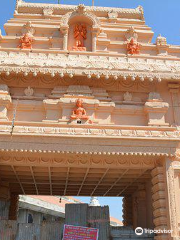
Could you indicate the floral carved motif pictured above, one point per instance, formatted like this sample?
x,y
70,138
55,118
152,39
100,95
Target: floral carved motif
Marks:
x,y
79,112
26,41
133,47
80,35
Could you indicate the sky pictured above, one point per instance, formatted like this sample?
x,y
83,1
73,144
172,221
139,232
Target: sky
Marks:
x,y
163,16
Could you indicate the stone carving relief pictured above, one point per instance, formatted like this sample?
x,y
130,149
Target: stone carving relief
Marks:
x,y
127,97
113,15
79,113
131,33
26,41
99,66
28,29
47,12
80,35
80,10
29,92
133,47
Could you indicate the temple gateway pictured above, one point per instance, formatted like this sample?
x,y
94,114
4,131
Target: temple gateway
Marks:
x,y
89,106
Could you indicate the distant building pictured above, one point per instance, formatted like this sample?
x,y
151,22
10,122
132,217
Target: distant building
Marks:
x,y
39,209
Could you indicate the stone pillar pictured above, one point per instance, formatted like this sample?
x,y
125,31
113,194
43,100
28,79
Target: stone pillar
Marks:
x,y
173,196
13,209
65,31
159,202
127,211
5,100
4,201
149,207
94,39
174,91
139,208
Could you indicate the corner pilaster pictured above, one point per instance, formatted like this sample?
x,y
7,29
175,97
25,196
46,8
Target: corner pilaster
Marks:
x,y
174,91
159,202
127,211
5,100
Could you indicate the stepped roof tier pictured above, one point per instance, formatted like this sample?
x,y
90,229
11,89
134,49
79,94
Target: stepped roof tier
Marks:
x,y
108,52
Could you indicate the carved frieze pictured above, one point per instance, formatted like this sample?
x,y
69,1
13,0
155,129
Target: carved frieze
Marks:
x,y
79,65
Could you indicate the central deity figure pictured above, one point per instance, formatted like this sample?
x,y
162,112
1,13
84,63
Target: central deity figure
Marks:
x,y
80,34
79,112
26,41
133,47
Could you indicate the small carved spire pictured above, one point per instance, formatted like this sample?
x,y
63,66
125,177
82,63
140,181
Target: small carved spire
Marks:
x,y
160,40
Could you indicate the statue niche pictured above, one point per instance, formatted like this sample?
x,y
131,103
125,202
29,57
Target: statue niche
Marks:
x,y
80,35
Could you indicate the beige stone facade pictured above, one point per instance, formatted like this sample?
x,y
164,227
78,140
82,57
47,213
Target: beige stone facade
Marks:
x,y
121,140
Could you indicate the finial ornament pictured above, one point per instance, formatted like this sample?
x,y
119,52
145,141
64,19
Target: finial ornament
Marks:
x,y
160,40
81,8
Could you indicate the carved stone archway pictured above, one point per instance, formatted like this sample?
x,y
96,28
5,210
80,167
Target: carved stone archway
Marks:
x,y
80,12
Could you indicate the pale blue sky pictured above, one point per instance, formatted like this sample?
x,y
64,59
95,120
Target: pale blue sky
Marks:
x,y
162,15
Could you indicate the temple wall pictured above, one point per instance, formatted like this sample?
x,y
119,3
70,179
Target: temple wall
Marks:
x,y
104,104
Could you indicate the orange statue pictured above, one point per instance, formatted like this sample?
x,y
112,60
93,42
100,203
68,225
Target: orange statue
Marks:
x,y
80,34
79,112
133,47
26,41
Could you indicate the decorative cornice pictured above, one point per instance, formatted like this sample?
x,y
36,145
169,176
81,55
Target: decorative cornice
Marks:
x,y
98,66
88,152
136,13
96,131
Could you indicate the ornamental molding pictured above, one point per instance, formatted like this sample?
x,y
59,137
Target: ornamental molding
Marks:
x,y
136,13
99,66
85,130
80,159
81,12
